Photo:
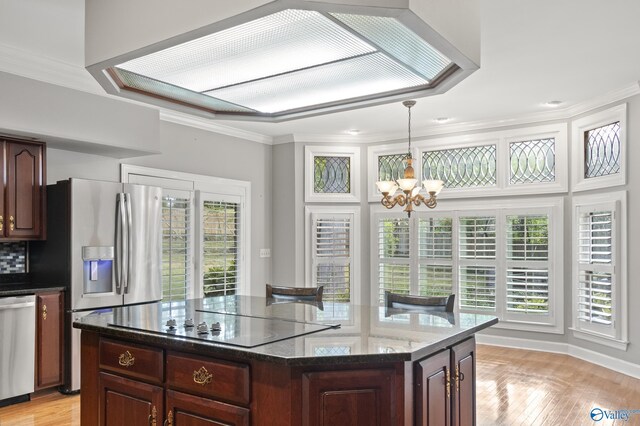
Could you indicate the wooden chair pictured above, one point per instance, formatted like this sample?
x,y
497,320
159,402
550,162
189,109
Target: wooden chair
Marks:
x,y
419,303
295,293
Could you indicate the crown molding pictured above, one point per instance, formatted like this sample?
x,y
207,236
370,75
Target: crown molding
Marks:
x,y
49,70
471,126
604,100
206,124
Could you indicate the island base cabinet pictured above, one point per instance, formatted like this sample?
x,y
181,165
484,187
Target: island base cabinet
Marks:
x,y
433,390
189,410
353,397
445,387
128,402
463,362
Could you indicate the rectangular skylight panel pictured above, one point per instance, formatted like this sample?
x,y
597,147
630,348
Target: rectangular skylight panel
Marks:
x,y
362,76
177,93
278,43
398,41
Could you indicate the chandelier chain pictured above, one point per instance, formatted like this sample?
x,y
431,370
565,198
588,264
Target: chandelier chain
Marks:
x,y
409,108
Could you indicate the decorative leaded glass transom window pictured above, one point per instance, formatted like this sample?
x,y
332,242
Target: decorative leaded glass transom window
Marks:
x,y
461,167
532,161
391,166
331,175
602,151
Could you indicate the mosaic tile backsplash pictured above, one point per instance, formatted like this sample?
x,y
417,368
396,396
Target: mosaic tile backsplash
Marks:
x,y
13,258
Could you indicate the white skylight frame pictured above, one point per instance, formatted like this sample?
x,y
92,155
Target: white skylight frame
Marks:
x,y
460,67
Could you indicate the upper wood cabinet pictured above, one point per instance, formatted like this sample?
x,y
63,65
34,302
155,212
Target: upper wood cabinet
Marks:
x,y
22,208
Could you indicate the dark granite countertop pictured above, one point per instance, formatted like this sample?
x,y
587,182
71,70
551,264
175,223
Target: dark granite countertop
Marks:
x,y
24,288
366,333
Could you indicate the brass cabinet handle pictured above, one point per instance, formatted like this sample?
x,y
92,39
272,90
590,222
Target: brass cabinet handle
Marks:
x,y
12,222
153,416
457,379
169,420
44,312
126,359
448,383
1,223
202,376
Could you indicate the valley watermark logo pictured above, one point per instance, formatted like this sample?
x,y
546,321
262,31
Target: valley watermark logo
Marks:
x,y
598,414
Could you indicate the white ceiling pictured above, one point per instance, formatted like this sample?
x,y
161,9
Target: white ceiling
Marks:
x,y
533,51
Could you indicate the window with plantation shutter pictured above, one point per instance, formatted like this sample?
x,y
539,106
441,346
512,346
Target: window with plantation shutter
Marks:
x,y
599,274
332,254
176,244
435,250
220,242
595,267
506,260
477,266
393,255
527,264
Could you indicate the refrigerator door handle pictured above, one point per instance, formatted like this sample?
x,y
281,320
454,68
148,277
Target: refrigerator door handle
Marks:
x,y
121,240
129,242
118,256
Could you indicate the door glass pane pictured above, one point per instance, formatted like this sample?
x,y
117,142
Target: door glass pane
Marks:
x,y
221,238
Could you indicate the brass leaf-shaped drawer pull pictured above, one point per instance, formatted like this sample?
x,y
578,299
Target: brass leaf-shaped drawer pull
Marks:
x,y
202,376
126,359
44,312
12,223
1,223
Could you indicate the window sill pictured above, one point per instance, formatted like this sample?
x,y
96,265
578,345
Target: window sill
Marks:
x,y
611,342
527,326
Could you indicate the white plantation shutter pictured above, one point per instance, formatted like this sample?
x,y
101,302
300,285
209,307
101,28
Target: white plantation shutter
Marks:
x,y
332,254
477,262
220,244
435,250
527,264
177,244
596,276
394,255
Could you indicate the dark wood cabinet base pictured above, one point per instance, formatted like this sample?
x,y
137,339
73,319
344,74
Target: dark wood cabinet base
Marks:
x,y
206,389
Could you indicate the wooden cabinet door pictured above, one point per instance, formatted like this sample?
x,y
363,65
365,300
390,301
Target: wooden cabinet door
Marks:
x,y
351,397
49,329
433,390
3,187
189,410
463,365
24,191
129,402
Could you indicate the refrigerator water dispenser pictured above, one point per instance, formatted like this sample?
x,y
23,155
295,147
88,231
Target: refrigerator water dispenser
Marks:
x,y
98,269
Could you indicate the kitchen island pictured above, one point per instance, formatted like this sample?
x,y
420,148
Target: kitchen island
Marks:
x,y
277,364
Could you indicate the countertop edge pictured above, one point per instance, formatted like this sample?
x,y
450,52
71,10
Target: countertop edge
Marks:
x,y
184,344
30,290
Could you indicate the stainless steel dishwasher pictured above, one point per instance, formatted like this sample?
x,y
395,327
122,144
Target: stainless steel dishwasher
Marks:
x,y
17,347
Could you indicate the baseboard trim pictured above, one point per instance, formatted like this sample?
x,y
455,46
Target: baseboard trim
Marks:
x,y
606,361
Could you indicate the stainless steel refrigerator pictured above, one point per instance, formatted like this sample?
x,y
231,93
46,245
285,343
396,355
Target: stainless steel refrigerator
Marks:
x,y
104,242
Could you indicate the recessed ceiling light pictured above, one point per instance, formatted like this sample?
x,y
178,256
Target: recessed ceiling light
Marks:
x,y
353,132
553,104
441,120
293,62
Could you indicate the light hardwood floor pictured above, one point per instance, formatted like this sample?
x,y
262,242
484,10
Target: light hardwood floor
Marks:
x,y
515,387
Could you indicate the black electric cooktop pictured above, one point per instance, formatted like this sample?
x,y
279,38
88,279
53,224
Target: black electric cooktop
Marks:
x,y
237,330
